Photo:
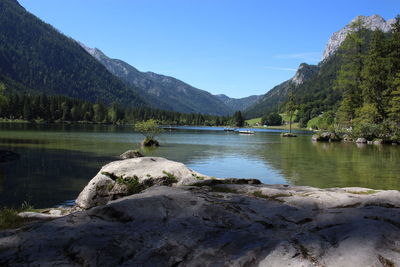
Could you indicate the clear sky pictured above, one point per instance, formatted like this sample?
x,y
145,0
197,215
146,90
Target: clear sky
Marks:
x,y
235,47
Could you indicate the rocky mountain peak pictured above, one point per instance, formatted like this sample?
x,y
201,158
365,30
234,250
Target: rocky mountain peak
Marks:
x,y
303,73
373,22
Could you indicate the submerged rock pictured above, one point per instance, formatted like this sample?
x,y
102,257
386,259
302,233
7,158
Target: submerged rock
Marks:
x,y
7,155
131,154
221,225
288,135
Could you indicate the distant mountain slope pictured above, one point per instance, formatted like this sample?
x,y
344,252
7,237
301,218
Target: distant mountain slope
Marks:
x,y
36,57
313,85
271,101
163,91
238,103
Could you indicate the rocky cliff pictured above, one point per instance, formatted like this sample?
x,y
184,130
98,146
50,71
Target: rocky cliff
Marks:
x,y
374,22
271,101
212,222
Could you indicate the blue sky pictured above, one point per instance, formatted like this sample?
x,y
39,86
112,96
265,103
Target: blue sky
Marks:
x,y
238,48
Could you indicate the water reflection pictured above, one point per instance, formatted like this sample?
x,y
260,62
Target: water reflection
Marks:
x,y
57,161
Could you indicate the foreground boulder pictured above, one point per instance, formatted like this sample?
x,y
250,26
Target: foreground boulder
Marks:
x,y
125,177
220,225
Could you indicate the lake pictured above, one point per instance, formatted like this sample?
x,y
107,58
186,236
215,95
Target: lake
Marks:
x,y
57,161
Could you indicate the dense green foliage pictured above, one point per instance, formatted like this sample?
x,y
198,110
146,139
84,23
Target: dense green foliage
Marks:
x,y
272,119
35,57
238,119
356,90
369,82
150,129
35,107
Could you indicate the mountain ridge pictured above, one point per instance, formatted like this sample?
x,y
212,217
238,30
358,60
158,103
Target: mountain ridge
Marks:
x,y
274,98
35,57
169,92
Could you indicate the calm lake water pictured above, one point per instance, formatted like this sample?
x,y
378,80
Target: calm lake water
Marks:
x,y
57,161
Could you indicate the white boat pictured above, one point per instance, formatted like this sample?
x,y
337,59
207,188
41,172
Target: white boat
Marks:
x,y
246,132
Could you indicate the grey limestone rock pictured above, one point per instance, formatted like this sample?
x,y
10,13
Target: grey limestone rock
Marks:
x,y
123,177
220,225
131,154
361,140
373,22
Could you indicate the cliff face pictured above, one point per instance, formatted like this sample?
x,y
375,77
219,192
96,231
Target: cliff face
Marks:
x,y
373,22
271,101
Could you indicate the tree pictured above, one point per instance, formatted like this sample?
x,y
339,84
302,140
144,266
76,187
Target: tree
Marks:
x,y
394,102
150,130
350,74
238,119
374,76
272,119
290,108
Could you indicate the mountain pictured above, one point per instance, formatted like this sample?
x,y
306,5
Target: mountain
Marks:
x,y
163,91
37,58
313,84
238,103
374,22
271,101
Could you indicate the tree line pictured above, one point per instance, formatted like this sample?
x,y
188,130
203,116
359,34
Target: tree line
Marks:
x,y
57,109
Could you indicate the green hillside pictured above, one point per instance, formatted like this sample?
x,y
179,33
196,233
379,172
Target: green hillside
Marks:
x,y
36,57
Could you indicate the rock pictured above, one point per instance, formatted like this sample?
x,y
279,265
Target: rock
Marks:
x,y
150,142
361,140
373,22
304,72
347,138
120,178
55,212
221,225
378,142
131,154
38,215
326,137
288,135
7,155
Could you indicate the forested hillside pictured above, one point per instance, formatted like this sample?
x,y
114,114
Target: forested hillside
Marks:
x,y
35,57
59,109
163,91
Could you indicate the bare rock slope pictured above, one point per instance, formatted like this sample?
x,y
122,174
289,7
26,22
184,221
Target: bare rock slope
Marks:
x,y
219,224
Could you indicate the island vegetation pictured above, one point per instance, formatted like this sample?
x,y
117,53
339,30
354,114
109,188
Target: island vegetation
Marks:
x,y
150,129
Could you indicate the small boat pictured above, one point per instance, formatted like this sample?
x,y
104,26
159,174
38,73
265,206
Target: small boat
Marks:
x,y
246,132
229,129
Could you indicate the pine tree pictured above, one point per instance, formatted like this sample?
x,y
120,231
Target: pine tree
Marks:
x,y
291,108
374,80
349,78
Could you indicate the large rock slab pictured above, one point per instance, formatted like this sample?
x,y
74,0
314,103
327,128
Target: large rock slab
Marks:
x,y
129,176
220,225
